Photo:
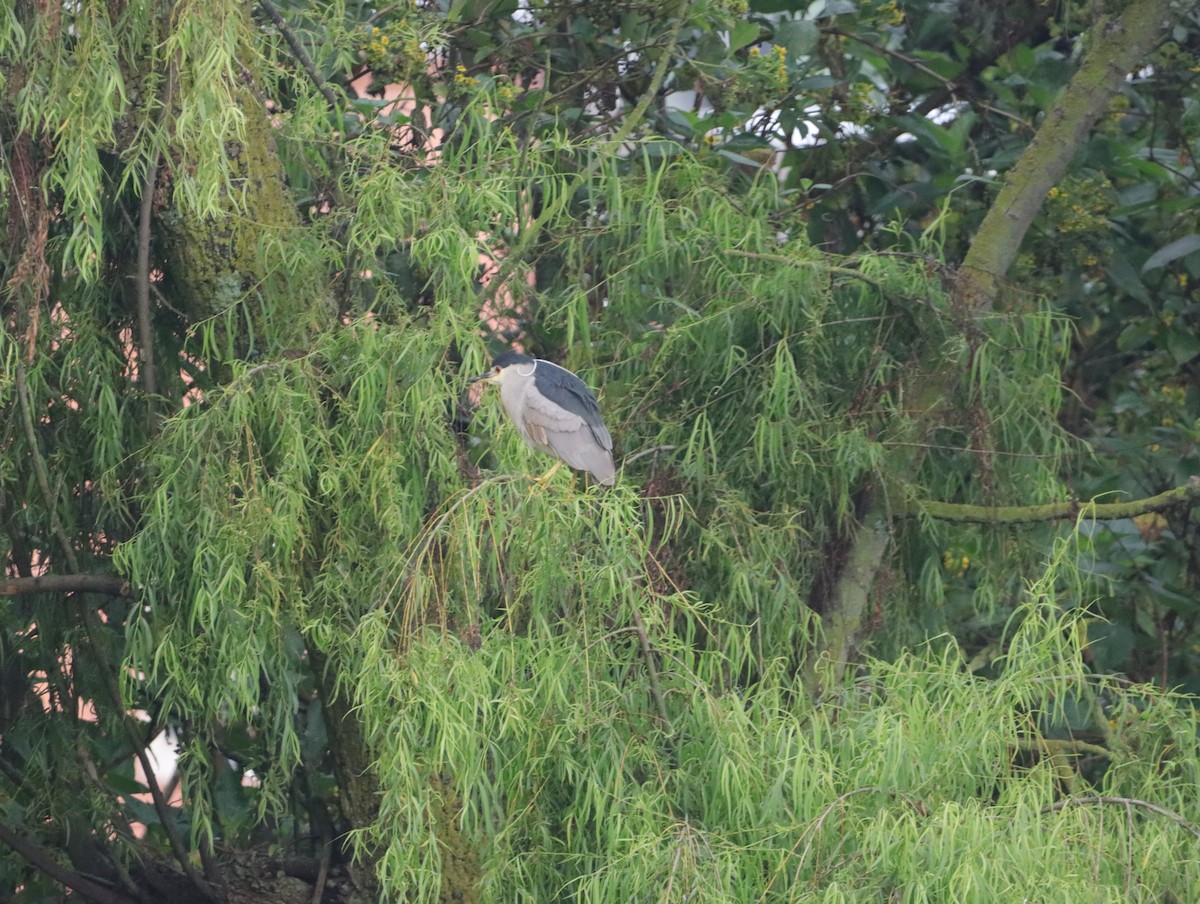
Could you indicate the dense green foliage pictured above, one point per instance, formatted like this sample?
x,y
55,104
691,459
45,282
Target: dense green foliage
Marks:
x,y
240,303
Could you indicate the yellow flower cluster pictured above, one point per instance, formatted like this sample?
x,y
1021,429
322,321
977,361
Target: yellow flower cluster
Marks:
x,y
378,45
1079,210
461,79
891,13
775,62
955,563
1168,416
1081,205
764,78
394,51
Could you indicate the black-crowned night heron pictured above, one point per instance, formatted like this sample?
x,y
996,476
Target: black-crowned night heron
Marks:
x,y
554,411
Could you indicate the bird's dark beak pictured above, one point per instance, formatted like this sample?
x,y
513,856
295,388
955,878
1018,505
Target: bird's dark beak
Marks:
x,y
482,376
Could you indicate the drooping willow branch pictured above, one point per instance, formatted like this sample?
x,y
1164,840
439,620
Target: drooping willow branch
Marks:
x,y
93,629
1187,494
144,283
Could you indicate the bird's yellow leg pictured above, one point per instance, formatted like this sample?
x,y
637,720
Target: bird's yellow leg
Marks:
x,y
545,478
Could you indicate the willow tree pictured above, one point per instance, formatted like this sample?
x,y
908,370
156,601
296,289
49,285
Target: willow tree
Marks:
x,y
247,501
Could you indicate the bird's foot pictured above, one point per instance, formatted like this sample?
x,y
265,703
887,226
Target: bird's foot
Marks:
x,y
544,480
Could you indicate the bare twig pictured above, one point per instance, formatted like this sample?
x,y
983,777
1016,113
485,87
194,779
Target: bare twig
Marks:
x,y
323,869
300,53
951,87
40,471
653,450
1126,802
142,285
651,670
120,823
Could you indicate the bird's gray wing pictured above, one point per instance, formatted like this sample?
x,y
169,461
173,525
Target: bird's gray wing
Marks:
x,y
570,436
572,394
546,418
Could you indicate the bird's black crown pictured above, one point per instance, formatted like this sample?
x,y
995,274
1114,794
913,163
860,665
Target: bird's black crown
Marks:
x,y
507,359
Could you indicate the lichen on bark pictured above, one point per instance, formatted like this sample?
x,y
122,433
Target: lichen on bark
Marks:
x,y
461,875
224,265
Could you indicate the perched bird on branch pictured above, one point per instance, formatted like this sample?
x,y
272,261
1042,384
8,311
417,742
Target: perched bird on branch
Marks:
x,y
554,411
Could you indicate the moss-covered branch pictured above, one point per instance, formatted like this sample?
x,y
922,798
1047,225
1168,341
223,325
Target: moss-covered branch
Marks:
x,y
1055,511
1062,747
1118,44
851,595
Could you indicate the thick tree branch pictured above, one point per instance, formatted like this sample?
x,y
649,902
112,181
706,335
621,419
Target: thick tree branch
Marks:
x,y
850,598
1061,748
42,860
65,583
1055,511
652,671
1117,45
358,784
142,287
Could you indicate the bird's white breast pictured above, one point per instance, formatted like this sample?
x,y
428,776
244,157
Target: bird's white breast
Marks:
x,y
512,396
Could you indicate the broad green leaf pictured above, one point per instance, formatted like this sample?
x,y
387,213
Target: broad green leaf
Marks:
x,y
1127,278
799,36
1188,244
743,33
1182,343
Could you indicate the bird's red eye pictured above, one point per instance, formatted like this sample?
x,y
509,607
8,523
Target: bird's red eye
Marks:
x,y
495,370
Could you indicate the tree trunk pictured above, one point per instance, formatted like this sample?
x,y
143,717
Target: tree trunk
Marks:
x,y
1119,44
